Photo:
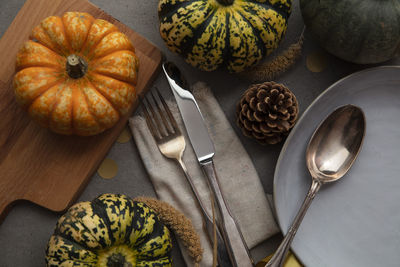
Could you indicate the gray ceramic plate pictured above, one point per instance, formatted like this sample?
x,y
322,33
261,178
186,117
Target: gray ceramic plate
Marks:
x,y
355,221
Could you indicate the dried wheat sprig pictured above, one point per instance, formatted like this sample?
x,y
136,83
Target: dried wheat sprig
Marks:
x,y
177,222
273,68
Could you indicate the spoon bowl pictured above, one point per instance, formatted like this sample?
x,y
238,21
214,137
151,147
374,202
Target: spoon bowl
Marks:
x,y
331,151
335,144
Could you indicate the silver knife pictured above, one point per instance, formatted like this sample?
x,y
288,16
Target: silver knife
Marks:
x,y
223,258
204,150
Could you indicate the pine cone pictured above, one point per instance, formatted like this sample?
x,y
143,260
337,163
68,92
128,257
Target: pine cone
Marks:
x,y
267,112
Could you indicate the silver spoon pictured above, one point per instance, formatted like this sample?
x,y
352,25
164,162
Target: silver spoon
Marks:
x,y
332,149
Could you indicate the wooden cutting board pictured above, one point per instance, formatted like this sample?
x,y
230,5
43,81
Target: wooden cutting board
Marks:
x,y
35,164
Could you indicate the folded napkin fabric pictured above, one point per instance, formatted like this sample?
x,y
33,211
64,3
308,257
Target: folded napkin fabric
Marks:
x,y
238,178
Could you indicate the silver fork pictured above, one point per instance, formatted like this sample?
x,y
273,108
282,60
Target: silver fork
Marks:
x,y
171,144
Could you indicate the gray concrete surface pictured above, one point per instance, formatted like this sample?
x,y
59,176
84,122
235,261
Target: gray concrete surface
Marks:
x,y
25,231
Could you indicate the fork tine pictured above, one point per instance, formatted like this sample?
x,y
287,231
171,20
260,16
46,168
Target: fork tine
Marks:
x,y
171,117
166,125
156,119
149,121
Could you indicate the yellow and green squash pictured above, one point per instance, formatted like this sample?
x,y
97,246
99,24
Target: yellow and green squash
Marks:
x,y
235,34
110,231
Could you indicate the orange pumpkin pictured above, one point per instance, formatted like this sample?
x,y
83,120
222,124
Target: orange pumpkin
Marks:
x,y
76,74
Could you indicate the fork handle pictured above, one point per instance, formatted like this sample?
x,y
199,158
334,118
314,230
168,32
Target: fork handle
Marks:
x,y
234,241
222,253
194,190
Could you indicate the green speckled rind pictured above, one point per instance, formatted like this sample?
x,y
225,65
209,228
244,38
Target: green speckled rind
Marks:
x,y
359,31
210,35
89,229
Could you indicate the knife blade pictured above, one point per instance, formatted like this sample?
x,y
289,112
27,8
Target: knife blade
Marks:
x,y
204,150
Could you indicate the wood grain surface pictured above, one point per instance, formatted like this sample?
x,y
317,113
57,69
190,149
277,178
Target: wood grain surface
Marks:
x,y
35,164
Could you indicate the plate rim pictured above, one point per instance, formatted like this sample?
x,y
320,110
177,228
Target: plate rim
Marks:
x,y
293,131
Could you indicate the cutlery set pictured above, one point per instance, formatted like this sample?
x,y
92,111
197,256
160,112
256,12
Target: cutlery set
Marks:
x,y
331,151
231,247
171,144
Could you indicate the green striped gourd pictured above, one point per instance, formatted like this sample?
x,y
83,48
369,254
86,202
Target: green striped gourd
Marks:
x,y
110,231
359,31
235,34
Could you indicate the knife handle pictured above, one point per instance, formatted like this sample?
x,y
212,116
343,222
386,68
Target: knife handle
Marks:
x,y
222,252
234,241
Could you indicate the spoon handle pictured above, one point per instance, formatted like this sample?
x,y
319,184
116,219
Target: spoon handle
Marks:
x,y
280,254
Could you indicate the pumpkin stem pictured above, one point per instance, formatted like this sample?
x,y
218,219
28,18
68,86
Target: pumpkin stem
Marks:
x,y
225,2
76,66
117,260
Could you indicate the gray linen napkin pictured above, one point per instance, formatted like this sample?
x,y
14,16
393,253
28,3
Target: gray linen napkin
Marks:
x,y
238,178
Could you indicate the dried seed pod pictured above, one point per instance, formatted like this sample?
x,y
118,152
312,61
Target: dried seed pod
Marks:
x,y
267,112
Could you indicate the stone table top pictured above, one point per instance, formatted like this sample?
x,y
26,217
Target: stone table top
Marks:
x,y
27,228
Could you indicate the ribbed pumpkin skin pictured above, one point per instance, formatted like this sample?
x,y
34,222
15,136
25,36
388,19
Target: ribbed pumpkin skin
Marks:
x,y
89,233
83,106
210,35
359,31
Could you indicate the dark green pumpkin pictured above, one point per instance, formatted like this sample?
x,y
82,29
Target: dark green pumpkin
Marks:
x,y
235,34
359,31
110,231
